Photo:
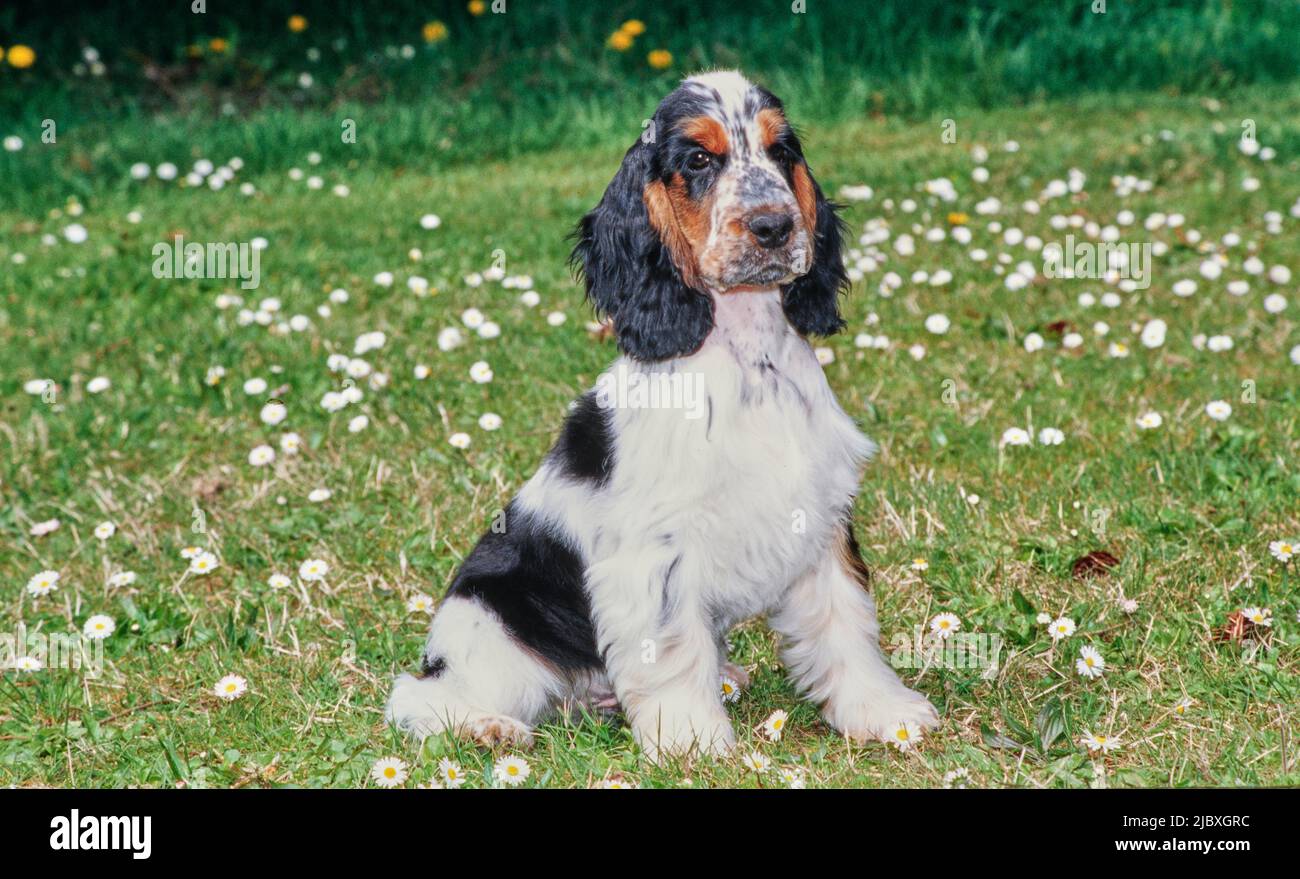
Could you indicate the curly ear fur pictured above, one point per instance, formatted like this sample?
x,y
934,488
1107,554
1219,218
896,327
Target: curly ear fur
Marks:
x,y
630,273
811,302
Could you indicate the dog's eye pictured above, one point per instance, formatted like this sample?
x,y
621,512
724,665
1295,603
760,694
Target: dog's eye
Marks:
x,y
699,160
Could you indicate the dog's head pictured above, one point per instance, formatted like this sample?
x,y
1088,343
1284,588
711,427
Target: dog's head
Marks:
x,y
714,199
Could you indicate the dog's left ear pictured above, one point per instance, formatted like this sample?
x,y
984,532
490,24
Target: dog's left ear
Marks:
x,y
811,302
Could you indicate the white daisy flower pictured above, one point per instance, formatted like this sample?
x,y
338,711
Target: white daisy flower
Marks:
x,y
794,777
319,495
419,603
938,324
775,725
1219,410
956,778
1090,663
556,318
756,762
230,688
904,736
121,578
261,456
98,384
278,581
99,627
730,689
489,421
1098,742
203,563
944,625
1015,436
388,772
1050,436
43,583
191,552
480,372
1260,616
1149,420
105,530
430,221
27,663
49,526
290,443
358,424
1060,628
273,413
511,770
1283,550
450,773
1033,342
313,570
459,440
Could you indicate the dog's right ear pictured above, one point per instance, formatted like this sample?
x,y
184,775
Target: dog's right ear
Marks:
x,y
639,268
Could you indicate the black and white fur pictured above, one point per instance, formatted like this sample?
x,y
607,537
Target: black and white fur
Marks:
x,y
645,536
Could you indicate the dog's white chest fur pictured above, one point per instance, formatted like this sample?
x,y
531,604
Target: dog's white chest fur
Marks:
x,y
765,463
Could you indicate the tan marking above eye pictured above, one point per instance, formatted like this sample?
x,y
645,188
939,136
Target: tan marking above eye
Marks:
x,y
771,124
707,132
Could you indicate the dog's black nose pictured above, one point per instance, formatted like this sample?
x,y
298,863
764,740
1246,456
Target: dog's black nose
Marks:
x,y
771,230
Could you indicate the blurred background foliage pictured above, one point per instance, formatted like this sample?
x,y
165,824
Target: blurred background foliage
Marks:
x,y
458,80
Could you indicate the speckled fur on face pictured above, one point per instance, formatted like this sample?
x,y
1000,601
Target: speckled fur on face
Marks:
x,y
751,181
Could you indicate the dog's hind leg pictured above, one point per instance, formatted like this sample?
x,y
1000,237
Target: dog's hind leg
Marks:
x,y
476,681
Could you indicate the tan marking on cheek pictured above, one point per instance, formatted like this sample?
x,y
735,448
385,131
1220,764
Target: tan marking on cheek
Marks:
x,y
676,229
707,132
806,196
771,123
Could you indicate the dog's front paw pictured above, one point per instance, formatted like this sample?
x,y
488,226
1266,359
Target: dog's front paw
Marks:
x,y
663,732
881,717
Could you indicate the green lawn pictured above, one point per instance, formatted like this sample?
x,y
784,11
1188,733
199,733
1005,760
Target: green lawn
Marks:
x,y
1188,509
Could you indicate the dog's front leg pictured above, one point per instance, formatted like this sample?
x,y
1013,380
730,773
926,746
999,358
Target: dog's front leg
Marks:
x,y
830,645
660,652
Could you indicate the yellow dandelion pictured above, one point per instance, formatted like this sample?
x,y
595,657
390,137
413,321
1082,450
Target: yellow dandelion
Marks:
x,y
620,41
297,23
21,56
476,7
957,218
434,32
633,27
660,59
218,45
194,51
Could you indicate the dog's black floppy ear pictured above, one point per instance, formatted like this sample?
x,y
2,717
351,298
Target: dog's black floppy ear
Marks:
x,y
636,276
811,302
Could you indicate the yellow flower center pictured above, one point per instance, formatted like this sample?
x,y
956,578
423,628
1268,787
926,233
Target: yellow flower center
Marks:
x,y
903,735
390,772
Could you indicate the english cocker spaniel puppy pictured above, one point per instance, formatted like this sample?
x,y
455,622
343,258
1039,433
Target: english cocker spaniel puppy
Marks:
x,y
708,478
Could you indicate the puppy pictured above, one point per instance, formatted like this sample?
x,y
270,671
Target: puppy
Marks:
x,y
652,527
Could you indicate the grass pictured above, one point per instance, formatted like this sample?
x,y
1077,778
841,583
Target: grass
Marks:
x,y
1188,509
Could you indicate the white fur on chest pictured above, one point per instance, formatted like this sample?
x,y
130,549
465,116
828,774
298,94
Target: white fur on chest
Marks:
x,y
743,486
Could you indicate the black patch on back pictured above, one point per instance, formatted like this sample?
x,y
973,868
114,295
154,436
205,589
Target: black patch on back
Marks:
x,y
534,581
585,449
